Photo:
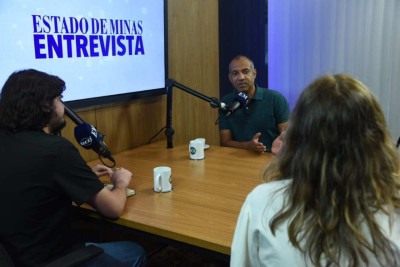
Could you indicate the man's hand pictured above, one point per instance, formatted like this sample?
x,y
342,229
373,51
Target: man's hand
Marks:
x,y
256,146
121,178
101,170
111,203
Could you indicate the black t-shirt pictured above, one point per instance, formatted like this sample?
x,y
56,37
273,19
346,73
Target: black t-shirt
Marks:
x,y
41,175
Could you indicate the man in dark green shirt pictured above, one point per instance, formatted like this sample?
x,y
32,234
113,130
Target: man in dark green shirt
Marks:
x,y
264,117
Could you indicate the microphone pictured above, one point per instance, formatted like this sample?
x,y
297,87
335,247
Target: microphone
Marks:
x,y
89,138
239,101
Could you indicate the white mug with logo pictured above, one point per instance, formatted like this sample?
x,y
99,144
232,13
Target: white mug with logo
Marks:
x,y
196,149
162,179
201,140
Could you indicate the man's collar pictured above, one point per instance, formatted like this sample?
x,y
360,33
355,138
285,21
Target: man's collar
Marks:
x,y
258,94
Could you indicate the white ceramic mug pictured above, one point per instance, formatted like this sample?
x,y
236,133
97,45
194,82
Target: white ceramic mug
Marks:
x,y
162,179
196,149
201,140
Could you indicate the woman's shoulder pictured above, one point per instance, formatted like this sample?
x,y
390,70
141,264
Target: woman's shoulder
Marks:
x,y
269,191
271,186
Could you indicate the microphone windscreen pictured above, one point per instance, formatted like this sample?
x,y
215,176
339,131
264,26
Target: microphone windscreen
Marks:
x,y
242,98
85,135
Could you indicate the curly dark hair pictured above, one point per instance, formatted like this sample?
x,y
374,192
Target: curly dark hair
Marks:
x,y
26,100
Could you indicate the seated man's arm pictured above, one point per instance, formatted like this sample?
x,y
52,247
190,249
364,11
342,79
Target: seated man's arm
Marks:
x,y
111,203
254,145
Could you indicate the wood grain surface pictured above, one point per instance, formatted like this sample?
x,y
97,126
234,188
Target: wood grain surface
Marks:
x,y
207,194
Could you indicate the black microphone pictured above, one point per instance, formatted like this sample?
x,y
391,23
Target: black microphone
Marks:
x,y
89,138
239,101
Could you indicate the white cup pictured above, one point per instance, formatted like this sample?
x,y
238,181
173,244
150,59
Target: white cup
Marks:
x,y
162,179
196,149
201,140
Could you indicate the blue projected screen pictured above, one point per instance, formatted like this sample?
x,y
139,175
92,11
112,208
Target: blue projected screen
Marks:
x,y
98,47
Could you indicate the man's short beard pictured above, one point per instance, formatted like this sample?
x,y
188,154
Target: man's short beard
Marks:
x,y
56,130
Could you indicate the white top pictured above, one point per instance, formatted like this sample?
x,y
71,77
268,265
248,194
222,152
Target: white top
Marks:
x,y
255,245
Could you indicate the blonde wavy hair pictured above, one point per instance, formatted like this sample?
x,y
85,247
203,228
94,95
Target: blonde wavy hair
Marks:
x,y
344,166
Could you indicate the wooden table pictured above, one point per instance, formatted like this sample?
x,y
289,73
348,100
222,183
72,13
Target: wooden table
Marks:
x,y
207,194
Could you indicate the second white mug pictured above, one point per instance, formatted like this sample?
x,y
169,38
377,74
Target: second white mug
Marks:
x,y
196,149
162,179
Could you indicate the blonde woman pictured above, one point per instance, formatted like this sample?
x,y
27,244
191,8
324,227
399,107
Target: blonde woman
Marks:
x,y
332,195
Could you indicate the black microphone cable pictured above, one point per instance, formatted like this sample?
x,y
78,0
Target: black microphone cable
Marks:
x,y
221,117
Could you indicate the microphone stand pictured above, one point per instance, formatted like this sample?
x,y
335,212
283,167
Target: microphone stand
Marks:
x,y
169,84
78,120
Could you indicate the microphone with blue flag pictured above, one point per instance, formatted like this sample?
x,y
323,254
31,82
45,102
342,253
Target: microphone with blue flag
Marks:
x,y
240,100
87,135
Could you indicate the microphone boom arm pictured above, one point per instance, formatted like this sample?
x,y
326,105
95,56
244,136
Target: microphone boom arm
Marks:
x,y
169,84
214,102
72,115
